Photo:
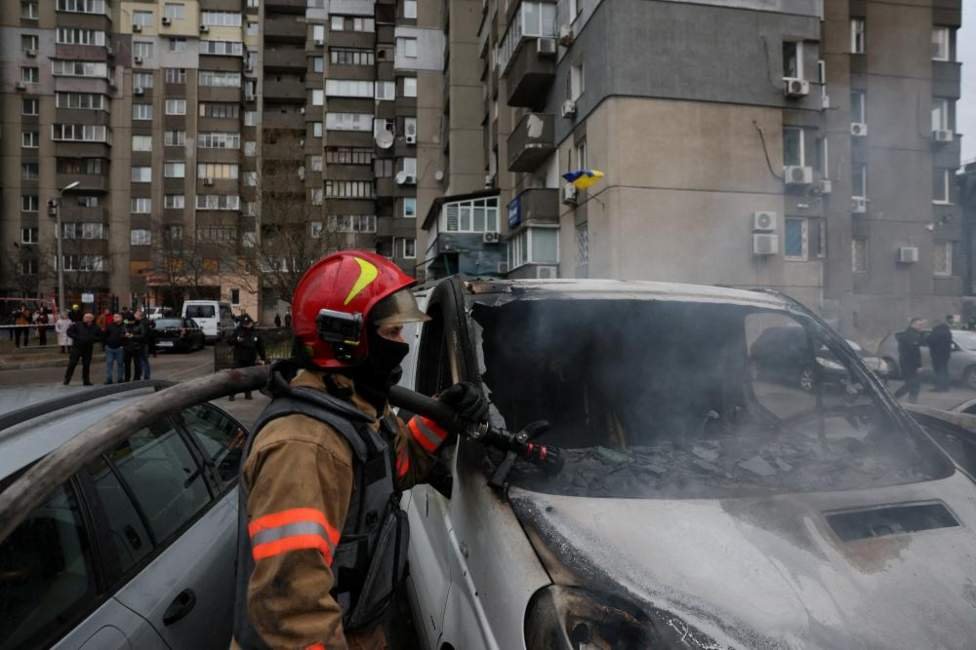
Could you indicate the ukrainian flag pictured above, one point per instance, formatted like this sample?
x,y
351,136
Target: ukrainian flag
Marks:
x,y
583,178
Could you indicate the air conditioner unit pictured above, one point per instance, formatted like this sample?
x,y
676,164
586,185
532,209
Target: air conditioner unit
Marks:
x,y
31,53
503,267
793,87
403,178
764,244
204,29
859,129
21,85
764,221
566,35
824,186
137,60
489,180
491,237
410,139
546,272
796,175
859,205
569,194
907,254
208,181
167,20
546,46
319,42
138,91
942,136
137,28
568,108
301,110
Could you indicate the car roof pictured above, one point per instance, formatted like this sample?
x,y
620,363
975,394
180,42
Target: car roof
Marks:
x,y
630,290
26,442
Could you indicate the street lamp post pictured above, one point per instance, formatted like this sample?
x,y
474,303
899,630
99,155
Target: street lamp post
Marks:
x,y
59,232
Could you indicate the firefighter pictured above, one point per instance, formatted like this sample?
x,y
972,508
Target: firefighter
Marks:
x,y
248,346
321,538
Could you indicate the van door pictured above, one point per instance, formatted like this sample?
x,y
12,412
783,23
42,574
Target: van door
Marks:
x,y
205,315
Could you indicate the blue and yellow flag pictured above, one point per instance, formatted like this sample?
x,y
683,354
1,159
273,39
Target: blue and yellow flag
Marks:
x,y
583,178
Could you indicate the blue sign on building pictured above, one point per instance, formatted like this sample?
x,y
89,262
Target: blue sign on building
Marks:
x,y
515,212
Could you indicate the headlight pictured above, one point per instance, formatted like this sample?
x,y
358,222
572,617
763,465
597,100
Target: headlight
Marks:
x,y
569,618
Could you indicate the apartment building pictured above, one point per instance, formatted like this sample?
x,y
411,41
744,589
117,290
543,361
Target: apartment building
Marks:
x,y
802,145
218,146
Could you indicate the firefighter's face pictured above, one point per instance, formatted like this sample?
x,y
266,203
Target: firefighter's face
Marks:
x,y
392,333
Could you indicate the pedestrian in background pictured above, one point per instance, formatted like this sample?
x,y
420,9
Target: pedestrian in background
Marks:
x,y
247,346
103,319
114,340
940,349
288,320
61,327
137,348
910,359
42,324
22,323
83,336
75,314
277,321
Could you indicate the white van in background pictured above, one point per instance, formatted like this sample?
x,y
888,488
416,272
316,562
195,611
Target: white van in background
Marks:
x,y
214,318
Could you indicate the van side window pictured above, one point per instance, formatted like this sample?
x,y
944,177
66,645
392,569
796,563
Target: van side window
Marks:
x,y
200,311
46,578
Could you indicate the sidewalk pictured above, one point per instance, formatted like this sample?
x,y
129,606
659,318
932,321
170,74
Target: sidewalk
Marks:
x,y
31,357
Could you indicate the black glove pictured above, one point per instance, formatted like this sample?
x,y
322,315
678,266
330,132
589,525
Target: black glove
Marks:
x,y
467,401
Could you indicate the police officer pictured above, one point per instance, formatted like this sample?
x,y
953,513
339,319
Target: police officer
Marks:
x,y
321,538
247,346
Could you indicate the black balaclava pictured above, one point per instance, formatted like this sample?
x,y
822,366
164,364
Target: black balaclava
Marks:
x,y
381,369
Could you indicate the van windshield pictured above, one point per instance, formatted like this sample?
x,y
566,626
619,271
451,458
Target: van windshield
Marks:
x,y
200,311
692,400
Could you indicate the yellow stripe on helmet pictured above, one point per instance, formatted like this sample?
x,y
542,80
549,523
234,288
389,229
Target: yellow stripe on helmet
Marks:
x,y
367,273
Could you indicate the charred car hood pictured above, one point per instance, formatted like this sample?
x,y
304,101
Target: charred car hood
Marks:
x,y
776,571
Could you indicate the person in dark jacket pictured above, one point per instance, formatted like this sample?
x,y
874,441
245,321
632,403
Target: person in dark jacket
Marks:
x,y
940,347
83,337
910,359
114,339
138,341
277,321
247,346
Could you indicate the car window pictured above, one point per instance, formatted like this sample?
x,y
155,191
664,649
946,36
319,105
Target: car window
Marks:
x,y
46,578
130,541
199,311
221,438
163,477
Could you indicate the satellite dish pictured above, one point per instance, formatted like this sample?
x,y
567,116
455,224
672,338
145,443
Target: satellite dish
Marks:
x,y
401,177
384,139
439,175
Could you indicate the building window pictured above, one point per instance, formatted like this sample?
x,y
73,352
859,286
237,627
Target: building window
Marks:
x,y
30,74
859,181
793,59
534,246
318,64
28,202
142,112
30,171
859,255
62,68
220,110
250,148
174,232
250,118
383,167
407,47
857,36
86,230
87,166
30,140
142,174
316,129
79,133
79,36
142,18
140,237
824,157
174,11
222,48
178,44
174,201
142,143
315,196
176,107
251,179
385,90
349,189
217,170
220,18
175,75
794,154
409,207
337,23
218,202
942,110
409,8
576,81
142,80
318,97
479,215
349,121
215,79
405,248
82,6
28,235
142,49
345,223
174,169
942,186
219,140
858,106
252,28
28,42
795,243
140,205
942,258
315,163
533,19
349,156
350,56
409,86
174,138
347,88
28,9
29,106
941,44
83,101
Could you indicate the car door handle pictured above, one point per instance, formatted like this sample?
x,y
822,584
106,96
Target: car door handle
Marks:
x,y
180,607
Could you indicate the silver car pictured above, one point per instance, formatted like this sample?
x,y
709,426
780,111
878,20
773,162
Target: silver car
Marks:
x,y
962,362
700,506
135,551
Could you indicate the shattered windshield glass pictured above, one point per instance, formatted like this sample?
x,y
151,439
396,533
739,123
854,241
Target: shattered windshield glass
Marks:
x,y
685,399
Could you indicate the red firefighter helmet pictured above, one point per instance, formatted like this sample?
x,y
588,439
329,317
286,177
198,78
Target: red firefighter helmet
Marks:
x,y
336,297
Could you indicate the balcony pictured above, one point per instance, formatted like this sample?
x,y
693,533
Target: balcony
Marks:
x,y
531,142
286,90
286,6
284,28
534,206
290,58
530,72
89,182
72,212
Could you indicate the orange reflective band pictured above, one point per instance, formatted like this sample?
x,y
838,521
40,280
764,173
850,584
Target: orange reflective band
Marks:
x,y
293,543
316,646
426,432
293,516
402,463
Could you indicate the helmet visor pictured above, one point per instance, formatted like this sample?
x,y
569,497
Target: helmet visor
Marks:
x,y
399,308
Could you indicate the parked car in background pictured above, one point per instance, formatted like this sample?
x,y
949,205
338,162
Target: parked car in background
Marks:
x,y
135,551
178,335
700,505
962,362
874,363
155,313
215,318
